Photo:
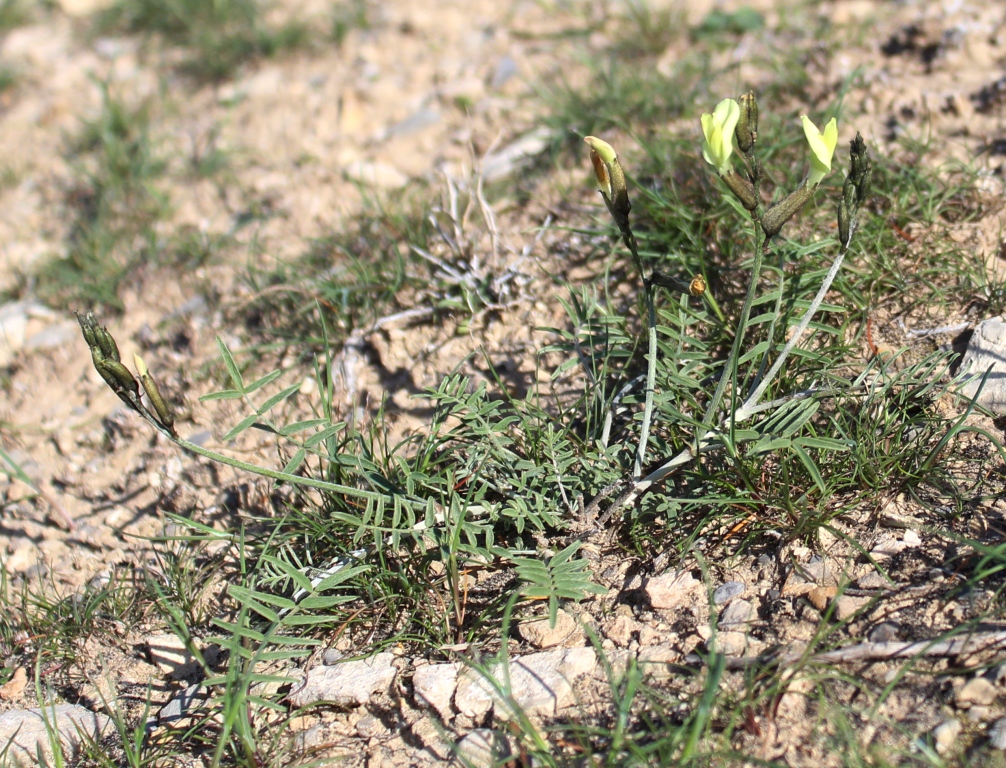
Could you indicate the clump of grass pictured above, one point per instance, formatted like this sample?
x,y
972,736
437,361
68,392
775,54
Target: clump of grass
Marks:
x,y
115,206
219,35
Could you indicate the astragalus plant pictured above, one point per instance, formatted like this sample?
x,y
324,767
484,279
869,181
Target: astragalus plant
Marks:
x,y
709,403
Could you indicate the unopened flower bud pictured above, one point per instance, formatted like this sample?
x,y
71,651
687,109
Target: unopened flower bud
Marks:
x,y
164,414
747,126
610,179
697,286
843,223
785,210
742,188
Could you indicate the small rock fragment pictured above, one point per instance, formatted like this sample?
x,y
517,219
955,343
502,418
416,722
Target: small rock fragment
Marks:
x,y
728,591
978,691
945,734
846,607
24,732
736,615
621,629
671,590
885,632
541,634
483,748
997,734
819,596
349,683
434,686
13,689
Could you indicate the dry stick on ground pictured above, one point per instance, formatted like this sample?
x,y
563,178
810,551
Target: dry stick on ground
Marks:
x,y
958,646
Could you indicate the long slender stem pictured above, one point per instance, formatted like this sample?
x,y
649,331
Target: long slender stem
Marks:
x,y
759,391
651,382
285,477
730,367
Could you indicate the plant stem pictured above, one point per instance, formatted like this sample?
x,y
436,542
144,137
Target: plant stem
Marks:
x,y
651,381
730,367
759,391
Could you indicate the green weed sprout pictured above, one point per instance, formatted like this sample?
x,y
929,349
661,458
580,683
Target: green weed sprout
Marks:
x,y
729,132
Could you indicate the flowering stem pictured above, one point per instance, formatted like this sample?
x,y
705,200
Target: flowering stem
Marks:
x,y
730,367
759,391
651,381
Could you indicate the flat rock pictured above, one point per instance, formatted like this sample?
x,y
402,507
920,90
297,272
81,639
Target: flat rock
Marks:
x,y
986,349
349,683
25,730
540,683
182,705
978,691
434,686
728,591
376,175
483,748
736,615
513,157
672,590
541,634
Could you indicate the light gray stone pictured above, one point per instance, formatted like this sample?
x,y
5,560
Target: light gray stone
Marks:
x,y
348,683
540,683
727,592
182,705
672,590
945,734
541,634
417,121
26,732
736,615
997,734
434,686
512,157
987,348
483,748
54,336
978,691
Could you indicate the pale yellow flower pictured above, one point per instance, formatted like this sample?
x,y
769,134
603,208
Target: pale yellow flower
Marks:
x,y
822,148
718,129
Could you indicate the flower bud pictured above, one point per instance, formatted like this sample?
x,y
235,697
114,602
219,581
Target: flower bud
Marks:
x,y
742,188
610,179
844,230
697,286
785,210
164,414
746,132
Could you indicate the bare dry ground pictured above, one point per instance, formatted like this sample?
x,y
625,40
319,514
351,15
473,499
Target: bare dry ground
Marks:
x,y
209,190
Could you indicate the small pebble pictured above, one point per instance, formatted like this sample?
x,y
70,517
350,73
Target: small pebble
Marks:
x,y
997,734
885,632
945,734
727,592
